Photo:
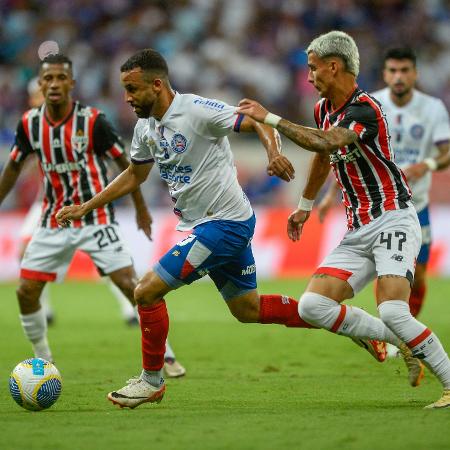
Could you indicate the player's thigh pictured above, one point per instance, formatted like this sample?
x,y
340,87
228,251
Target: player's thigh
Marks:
x,y
346,270
210,246
106,247
395,248
48,255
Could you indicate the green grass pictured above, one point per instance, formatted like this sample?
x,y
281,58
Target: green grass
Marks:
x,y
247,387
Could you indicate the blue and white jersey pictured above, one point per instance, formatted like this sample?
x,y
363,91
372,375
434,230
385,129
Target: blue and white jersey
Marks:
x,y
415,129
191,149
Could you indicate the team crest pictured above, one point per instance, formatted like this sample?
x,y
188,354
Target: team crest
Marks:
x,y
79,141
178,143
417,131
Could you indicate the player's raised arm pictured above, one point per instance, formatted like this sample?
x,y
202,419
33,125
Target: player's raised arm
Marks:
x,y
143,217
314,140
128,181
278,165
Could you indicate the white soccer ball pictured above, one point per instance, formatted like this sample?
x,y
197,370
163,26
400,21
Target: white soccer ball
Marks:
x,y
35,384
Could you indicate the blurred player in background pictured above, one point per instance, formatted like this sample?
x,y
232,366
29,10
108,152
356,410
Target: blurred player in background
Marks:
x,y
186,135
420,134
383,237
71,141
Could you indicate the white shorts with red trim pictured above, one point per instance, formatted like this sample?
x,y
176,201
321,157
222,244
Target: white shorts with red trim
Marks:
x,y
50,251
388,245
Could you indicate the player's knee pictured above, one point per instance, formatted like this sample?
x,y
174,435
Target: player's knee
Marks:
x,y
316,309
148,291
393,312
28,297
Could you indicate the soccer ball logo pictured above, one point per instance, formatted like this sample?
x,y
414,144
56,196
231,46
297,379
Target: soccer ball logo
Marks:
x,y
35,384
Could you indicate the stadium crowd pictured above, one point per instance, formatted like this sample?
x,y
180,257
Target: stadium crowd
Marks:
x,y
224,49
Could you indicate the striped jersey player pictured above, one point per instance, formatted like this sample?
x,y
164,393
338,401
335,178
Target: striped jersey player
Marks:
x,y
71,142
383,237
72,158
370,181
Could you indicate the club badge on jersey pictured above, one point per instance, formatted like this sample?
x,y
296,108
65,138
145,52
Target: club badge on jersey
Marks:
x,y
178,143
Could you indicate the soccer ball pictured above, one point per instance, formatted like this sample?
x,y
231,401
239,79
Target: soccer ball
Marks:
x,y
35,384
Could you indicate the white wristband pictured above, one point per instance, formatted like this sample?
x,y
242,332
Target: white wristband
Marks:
x,y
431,163
305,204
272,120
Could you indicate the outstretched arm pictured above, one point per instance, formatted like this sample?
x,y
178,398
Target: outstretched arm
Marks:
x,y
9,177
311,139
128,181
278,165
143,217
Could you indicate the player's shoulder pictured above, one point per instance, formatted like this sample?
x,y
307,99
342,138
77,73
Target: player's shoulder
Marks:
x,y
88,111
142,127
426,100
30,113
202,105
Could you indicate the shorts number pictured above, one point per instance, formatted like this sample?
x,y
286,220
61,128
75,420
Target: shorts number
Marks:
x,y
106,236
387,239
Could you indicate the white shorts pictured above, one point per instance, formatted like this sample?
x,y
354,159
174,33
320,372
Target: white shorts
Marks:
x,y
50,251
388,245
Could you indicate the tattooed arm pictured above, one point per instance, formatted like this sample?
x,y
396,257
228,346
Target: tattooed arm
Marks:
x,y
311,139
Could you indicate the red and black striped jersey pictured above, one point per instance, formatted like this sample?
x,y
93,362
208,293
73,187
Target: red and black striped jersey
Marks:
x,y
72,159
370,181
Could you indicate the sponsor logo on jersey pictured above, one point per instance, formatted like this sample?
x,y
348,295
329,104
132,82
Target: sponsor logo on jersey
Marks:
x,y
213,104
178,143
175,173
350,156
398,258
64,167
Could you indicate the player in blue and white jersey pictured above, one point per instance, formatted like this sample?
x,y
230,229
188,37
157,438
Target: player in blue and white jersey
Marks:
x,y
420,135
185,136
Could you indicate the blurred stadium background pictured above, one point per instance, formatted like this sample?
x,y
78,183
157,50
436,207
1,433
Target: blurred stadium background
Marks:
x,y
222,49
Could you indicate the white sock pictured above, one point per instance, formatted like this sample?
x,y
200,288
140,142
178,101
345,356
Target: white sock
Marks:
x,y
126,308
423,343
169,354
35,328
347,320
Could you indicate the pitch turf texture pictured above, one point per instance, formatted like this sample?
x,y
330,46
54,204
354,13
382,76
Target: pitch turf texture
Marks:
x,y
247,386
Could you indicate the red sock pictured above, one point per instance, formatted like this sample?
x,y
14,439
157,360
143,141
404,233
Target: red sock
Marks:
x,y
154,329
416,299
280,309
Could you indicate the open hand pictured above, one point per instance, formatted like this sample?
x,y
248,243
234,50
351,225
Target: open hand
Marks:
x,y
144,222
281,167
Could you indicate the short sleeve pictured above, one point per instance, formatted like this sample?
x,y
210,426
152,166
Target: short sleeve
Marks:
x,y
142,150
441,129
361,118
106,140
22,146
214,118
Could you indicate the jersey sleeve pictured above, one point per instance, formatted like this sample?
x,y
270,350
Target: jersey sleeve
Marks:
x,y
106,140
215,118
441,130
362,119
22,146
142,150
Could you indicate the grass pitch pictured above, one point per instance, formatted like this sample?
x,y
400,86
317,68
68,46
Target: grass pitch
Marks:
x,y
247,386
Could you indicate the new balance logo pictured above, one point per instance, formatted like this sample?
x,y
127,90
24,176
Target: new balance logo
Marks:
x,y
398,258
284,300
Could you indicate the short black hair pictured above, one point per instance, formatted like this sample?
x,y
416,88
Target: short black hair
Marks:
x,y
57,58
401,53
148,60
